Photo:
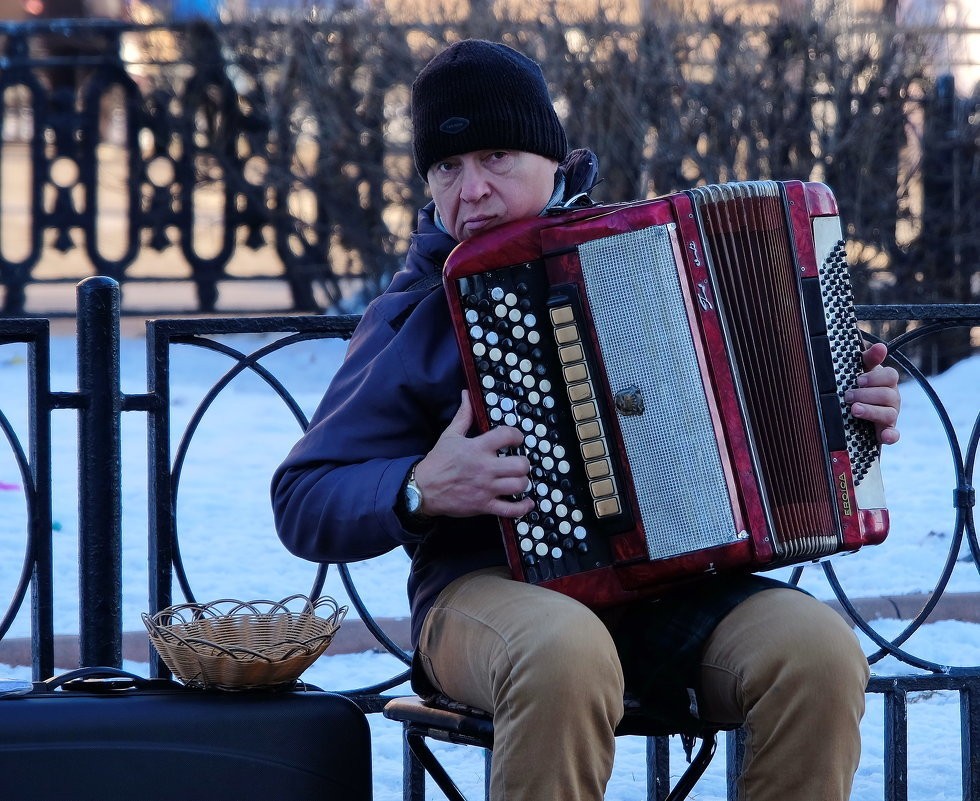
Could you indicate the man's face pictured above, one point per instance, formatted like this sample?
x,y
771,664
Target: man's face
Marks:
x,y
478,191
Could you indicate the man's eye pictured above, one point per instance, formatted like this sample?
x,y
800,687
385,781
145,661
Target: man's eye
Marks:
x,y
498,160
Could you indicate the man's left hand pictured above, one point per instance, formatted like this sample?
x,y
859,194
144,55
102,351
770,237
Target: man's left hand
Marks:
x,y
876,398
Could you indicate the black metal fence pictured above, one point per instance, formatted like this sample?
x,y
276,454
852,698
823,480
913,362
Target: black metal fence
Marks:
x,y
100,405
122,141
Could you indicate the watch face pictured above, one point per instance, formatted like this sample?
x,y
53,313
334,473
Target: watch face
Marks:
x,y
413,498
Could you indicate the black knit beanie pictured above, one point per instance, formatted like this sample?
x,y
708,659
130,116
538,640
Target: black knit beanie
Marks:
x,y
478,95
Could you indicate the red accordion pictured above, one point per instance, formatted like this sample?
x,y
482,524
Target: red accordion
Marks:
x,y
678,369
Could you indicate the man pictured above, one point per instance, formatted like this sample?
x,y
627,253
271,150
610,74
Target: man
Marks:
x,y
389,460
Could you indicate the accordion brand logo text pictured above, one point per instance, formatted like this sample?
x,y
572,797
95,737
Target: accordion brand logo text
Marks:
x,y
845,496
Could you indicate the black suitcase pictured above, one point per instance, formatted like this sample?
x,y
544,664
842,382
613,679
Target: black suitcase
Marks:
x,y
100,734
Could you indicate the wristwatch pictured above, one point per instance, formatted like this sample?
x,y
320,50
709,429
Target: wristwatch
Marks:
x,y
412,494
409,506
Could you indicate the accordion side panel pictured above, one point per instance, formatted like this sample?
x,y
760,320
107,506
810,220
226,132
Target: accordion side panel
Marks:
x,y
857,469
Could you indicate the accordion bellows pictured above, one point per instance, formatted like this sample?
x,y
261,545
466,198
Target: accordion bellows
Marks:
x,y
678,368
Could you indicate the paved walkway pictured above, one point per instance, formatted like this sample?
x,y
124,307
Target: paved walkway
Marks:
x,y
354,637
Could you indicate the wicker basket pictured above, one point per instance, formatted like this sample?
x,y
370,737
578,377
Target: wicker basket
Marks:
x,y
239,645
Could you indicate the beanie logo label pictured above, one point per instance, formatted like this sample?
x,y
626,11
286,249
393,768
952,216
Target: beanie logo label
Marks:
x,y
455,125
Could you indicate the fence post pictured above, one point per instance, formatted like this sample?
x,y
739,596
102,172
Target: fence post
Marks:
x,y
99,473
945,220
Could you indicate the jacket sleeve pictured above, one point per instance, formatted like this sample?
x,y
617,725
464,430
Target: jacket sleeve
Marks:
x,y
334,495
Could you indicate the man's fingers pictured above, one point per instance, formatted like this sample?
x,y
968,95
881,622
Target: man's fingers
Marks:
x,y
874,355
501,507
502,438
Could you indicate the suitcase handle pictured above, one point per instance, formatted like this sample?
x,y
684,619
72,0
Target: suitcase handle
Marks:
x,y
104,679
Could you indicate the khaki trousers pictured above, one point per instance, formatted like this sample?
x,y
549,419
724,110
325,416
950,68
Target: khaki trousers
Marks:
x,y
781,663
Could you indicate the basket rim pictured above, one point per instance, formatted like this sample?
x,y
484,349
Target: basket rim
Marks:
x,y
216,608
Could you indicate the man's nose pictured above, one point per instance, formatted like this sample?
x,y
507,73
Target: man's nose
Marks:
x,y
474,185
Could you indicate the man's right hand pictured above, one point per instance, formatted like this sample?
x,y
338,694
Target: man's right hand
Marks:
x,y
466,476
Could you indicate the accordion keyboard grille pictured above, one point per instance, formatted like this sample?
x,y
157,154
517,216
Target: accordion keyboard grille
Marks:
x,y
645,339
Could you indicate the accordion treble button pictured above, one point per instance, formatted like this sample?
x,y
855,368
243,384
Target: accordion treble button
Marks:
x,y
607,507
602,488
585,411
600,468
562,315
571,354
567,334
593,449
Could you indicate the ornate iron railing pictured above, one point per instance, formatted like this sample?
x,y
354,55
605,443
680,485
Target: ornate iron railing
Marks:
x,y
100,405
120,140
